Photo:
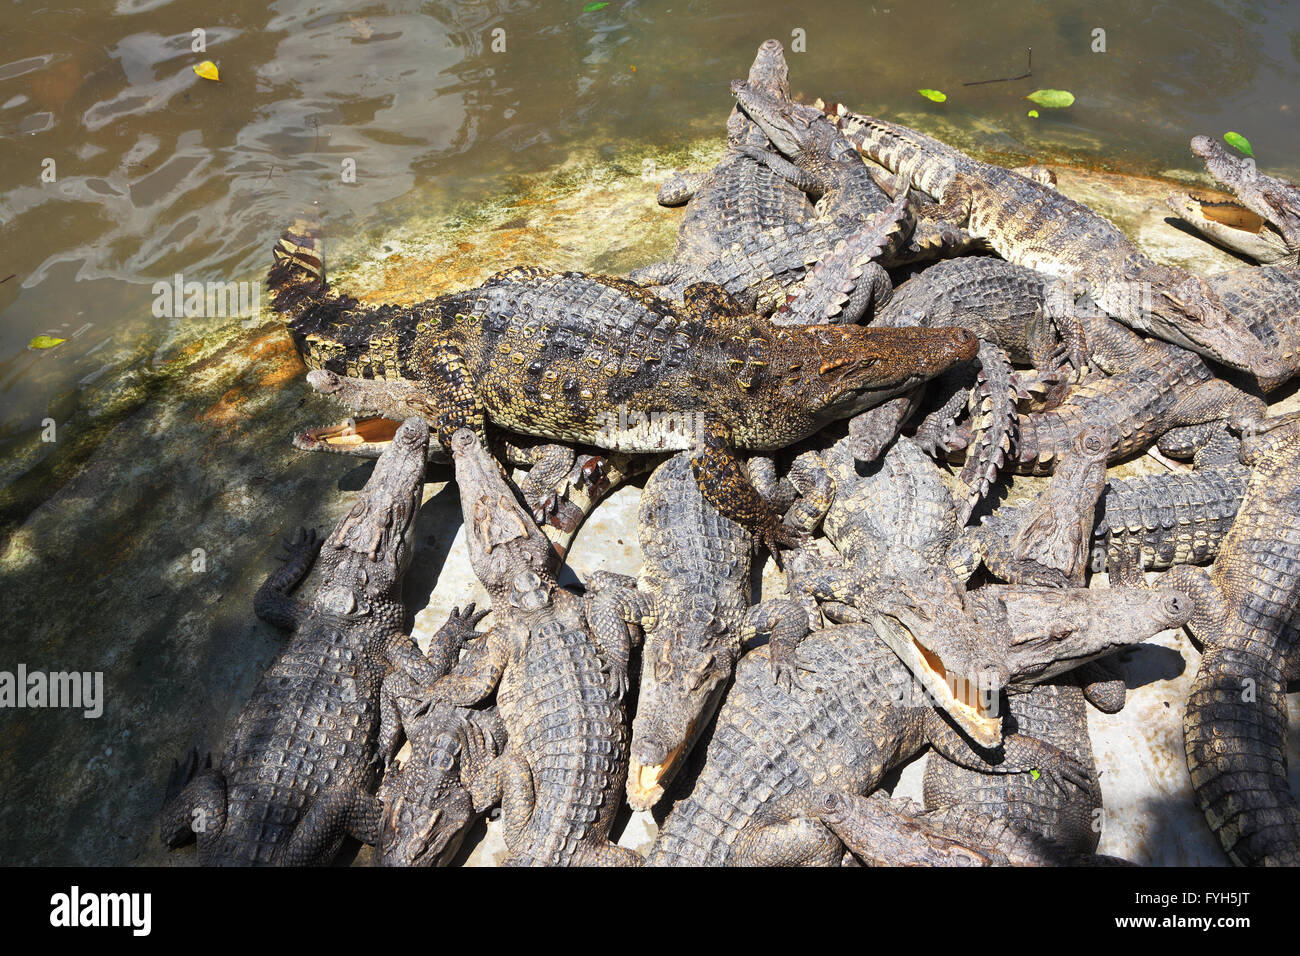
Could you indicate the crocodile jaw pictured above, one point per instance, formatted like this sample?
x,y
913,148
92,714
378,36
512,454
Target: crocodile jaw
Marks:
x,y
960,697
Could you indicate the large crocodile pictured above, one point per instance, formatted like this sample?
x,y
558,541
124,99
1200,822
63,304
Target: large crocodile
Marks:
x,y
696,574
1236,722
600,361
1032,224
858,713
298,773
559,682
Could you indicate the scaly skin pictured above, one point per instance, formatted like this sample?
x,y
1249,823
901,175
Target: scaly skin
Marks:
x,y
1236,722
1056,713
427,802
298,773
1266,299
1031,224
1154,522
881,831
859,711
1047,542
600,361
696,573
1154,388
739,196
559,676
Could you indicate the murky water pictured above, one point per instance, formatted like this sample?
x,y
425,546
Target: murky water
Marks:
x,y
120,168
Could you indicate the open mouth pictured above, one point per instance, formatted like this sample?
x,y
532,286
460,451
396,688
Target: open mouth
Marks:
x,y
968,703
645,783
1225,212
356,435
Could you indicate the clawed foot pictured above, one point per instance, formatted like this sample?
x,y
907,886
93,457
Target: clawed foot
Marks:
x,y
182,773
464,622
303,541
787,665
1059,768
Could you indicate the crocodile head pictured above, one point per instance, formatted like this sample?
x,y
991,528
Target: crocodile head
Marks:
x,y
426,806
1052,630
966,647
769,72
1263,224
685,662
803,133
1186,311
840,370
363,560
509,554
926,620
380,407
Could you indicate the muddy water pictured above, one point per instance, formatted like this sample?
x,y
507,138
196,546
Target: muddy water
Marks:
x,y
120,168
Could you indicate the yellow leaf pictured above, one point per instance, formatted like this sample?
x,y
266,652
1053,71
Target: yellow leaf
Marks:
x,y
208,71
45,342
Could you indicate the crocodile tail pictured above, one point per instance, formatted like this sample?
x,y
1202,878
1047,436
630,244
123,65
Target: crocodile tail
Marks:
x,y
297,275
993,425
927,162
1236,736
331,331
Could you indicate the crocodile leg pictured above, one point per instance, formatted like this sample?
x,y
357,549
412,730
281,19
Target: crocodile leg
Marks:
x,y
724,484
195,804
619,616
816,488
1019,754
545,483
508,781
335,814
804,179
465,688
785,624
273,602
657,273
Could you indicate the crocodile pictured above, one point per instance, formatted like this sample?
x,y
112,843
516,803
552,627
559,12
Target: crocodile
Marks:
x,y
598,360
1267,229
298,772
559,680
884,831
427,803
1046,542
1235,727
1155,522
1031,224
738,197
696,572
859,713
1154,392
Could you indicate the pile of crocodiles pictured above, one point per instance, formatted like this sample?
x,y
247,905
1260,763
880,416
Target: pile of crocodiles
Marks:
x,y
860,334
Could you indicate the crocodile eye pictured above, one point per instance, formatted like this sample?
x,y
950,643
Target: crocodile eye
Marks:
x,y
663,670
830,800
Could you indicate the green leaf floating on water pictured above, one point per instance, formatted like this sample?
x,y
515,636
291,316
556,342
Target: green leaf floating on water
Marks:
x,y
1033,114
935,96
1034,773
1054,99
594,6
1239,143
45,342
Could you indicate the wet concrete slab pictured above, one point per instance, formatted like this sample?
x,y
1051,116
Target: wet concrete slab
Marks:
x,y
142,562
